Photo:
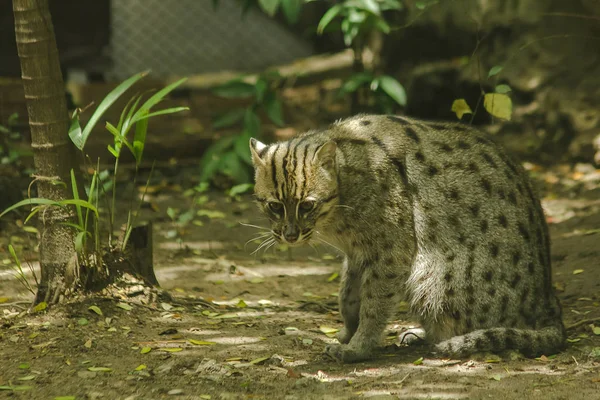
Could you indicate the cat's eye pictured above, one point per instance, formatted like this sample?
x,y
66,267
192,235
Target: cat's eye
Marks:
x,y
307,205
275,206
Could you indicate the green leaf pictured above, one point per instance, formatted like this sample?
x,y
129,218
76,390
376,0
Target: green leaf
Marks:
x,y
232,166
242,149
201,342
495,70
328,17
166,111
381,25
596,330
499,105
30,202
18,388
112,151
393,88
100,369
251,122
76,197
79,138
229,118
80,241
269,6
75,130
291,10
273,109
125,306
418,361
139,138
125,124
95,309
82,203
356,81
155,99
235,89
145,350
460,107
40,307
240,189
503,89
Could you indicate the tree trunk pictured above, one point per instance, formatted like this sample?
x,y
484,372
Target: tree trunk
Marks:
x,y
54,155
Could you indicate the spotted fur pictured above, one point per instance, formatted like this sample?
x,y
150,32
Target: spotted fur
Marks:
x,y
435,213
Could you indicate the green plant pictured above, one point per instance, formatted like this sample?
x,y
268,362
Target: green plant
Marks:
x,y
8,154
133,117
498,103
230,155
358,20
19,273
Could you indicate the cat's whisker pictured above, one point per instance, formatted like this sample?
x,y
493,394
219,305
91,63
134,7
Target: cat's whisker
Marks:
x,y
312,245
264,228
259,237
266,242
326,242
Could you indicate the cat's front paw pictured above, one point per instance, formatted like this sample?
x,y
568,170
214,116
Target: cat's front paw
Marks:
x,y
344,335
345,353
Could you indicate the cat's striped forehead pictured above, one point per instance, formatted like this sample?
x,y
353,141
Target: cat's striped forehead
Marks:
x,y
287,168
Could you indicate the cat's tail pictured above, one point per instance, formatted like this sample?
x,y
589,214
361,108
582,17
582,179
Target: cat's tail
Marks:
x,y
531,343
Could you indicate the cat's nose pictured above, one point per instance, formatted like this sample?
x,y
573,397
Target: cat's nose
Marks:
x,y
291,235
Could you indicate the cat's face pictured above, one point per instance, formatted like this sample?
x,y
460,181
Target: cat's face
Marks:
x,y
296,187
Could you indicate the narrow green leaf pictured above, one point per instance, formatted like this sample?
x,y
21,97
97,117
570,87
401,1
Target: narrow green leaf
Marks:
x,y
139,138
155,99
76,197
30,202
393,88
80,202
100,369
328,17
251,122
18,388
113,151
79,139
124,129
269,6
166,111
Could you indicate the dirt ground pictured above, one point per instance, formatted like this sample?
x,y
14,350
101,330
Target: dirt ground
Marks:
x,y
253,326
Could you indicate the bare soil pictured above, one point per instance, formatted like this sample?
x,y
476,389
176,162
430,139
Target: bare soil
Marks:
x,y
242,326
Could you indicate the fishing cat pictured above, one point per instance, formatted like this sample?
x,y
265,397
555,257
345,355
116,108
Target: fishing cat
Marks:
x,y
435,213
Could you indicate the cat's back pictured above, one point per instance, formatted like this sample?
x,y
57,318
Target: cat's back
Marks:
x,y
476,218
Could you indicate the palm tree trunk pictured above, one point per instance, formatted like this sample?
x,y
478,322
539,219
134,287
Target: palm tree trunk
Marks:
x,y
54,154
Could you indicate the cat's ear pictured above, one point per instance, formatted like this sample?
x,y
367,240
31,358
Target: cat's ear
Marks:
x,y
257,149
325,155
